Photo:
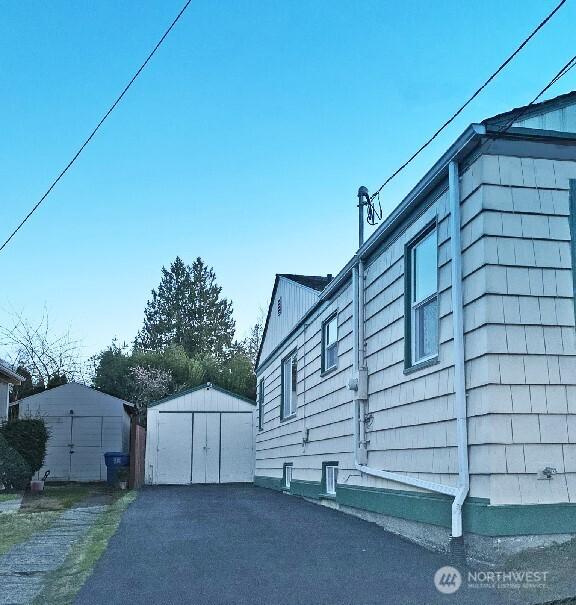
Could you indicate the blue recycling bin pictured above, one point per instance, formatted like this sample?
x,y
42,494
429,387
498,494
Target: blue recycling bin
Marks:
x,y
114,460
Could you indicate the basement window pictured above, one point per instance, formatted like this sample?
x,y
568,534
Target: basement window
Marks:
x,y
330,343
421,292
260,404
289,385
331,478
287,475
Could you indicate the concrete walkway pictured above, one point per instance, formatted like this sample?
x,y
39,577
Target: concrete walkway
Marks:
x,y
24,567
232,544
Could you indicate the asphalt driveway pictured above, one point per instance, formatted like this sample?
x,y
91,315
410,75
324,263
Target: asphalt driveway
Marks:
x,y
242,544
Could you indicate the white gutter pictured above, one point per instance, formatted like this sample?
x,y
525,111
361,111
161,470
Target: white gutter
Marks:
x,y
359,381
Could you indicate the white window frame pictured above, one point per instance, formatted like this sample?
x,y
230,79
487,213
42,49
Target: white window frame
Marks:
x,y
333,319
289,385
261,404
331,478
416,304
287,475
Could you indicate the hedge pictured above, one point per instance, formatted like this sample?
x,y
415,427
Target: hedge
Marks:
x,y
22,450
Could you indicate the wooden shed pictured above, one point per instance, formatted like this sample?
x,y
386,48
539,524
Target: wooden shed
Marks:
x,y
203,435
84,424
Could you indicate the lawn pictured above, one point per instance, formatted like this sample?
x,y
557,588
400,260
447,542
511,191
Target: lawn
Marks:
x,y
62,585
6,497
38,512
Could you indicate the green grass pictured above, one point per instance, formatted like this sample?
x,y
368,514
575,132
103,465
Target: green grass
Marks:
x,y
38,512
16,528
58,497
12,496
63,584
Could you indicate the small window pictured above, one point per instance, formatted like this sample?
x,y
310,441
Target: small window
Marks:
x,y
330,343
289,385
279,305
331,478
422,294
287,480
260,404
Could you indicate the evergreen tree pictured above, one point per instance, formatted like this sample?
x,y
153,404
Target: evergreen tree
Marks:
x,y
187,310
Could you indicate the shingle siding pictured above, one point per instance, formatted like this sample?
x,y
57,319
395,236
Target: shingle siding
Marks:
x,y
519,348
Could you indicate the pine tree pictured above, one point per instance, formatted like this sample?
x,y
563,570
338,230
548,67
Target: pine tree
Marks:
x,y
187,310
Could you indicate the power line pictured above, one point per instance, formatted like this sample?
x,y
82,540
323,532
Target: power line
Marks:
x,y
518,114
470,99
110,110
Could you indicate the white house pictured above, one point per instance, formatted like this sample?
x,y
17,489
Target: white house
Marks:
x,y
431,385
202,435
8,378
84,424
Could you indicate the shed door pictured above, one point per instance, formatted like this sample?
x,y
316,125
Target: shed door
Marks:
x,y
206,448
57,459
237,453
174,448
86,448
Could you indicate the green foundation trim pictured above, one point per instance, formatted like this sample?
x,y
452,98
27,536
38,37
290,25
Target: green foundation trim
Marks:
x,y
479,517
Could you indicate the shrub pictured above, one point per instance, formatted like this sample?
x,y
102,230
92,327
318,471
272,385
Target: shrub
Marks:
x,y
14,471
28,436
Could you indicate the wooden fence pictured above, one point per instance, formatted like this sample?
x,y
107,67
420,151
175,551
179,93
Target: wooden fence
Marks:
x,y
137,452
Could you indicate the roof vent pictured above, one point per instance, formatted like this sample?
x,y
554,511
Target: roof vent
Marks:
x,y
279,305
329,276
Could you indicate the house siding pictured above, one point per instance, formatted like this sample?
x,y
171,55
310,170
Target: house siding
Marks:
x,y
520,365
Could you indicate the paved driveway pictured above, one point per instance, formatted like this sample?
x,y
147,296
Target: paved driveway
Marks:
x,y
232,544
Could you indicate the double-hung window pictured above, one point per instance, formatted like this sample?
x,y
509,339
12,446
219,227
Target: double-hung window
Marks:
x,y
422,295
260,404
289,385
330,343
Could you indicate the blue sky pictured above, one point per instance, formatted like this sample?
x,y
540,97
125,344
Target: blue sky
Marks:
x,y
244,141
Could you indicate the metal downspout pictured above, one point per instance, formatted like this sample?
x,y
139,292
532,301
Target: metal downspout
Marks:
x,y
460,407
460,491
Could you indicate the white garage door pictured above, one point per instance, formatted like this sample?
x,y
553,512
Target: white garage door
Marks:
x,y
204,447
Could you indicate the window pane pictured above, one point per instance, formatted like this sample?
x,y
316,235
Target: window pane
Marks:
x,y
427,330
294,382
331,356
425,268
287,393
331,332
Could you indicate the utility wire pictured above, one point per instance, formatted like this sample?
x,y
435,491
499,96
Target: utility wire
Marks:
x,y
518,114
470,99
110,110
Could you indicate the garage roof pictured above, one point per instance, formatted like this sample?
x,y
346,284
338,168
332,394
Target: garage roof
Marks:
x,y
206,385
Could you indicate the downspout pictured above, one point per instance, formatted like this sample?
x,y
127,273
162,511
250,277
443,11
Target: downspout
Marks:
x,y
460,406
359,380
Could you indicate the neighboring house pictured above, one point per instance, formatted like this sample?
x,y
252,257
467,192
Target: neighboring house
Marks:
x,y
438,368
8,377
84,424
202,435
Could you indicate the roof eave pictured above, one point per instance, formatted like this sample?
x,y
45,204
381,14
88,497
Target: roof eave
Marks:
x,y
462,147
10,376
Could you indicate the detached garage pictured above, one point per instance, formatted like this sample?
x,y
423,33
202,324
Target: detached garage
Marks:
x,y
84,424
203,435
